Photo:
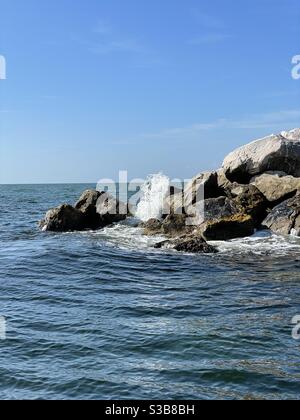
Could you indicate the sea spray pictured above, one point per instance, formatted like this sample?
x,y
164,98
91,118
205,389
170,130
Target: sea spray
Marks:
x,y
153,193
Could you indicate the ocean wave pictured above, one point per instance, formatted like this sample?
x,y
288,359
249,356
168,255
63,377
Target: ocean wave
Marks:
x,y
262,243
154,190
128,236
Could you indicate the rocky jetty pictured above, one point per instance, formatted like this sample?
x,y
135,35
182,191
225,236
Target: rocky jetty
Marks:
x,y
94,210
258,187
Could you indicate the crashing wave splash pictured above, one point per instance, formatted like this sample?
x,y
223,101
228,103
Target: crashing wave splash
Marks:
x,y
153,193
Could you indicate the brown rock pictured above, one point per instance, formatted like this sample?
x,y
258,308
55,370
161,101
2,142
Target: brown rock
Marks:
x,y
276,186
152,227
237,226
94,210
63,219
203,186
87,205
174,225
252,202
188,243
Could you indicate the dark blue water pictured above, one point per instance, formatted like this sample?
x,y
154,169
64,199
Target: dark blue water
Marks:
x,y
101,315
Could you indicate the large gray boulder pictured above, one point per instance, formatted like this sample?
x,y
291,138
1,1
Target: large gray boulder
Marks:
x,y
174,204
223,218
273,153
284,219
203,186
218,208
224,184
226,219
94,210
208,182
87,201
110,209
63,219
87,205
276,186
100,209
251,202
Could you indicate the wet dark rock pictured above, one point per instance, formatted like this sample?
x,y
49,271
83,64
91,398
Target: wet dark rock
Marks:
x,y
152,227
218,208
63,219
252,202
110,209
94,210
284,219
174,225
227,228
189,243
87,201
87,205
203,186
195,246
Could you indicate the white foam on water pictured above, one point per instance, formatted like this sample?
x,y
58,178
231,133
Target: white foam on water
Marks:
x,y
262,243
154,190
127,236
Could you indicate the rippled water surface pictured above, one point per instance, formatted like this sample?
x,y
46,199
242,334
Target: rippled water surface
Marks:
x,y
102,315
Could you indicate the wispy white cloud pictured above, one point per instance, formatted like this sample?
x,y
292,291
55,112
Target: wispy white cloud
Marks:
x,y
282,94
209,38
103,27
108,40
212,29
115,46
207,20
277,120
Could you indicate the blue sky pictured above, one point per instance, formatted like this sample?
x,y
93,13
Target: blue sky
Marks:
x,y
98,86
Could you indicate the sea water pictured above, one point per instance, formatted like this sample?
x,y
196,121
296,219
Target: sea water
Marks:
x,y
103,315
